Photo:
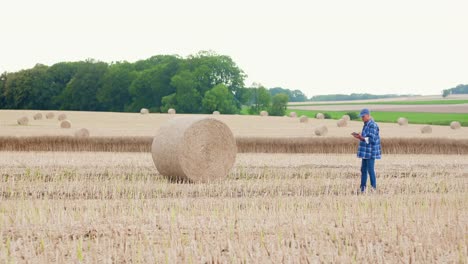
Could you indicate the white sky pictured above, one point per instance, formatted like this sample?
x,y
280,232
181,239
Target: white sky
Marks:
x,y
320,47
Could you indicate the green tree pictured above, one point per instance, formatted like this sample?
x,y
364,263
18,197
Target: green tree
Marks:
x,y
3,79
188,99
279,104
219,98
114,94
261,100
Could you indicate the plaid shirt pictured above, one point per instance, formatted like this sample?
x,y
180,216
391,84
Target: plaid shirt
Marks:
x,y
372,148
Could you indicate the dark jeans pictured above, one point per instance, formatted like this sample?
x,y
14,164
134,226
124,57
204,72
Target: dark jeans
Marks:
x,y
367,167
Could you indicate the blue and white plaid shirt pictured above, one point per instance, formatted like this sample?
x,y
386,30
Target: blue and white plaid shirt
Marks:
x,y
370,147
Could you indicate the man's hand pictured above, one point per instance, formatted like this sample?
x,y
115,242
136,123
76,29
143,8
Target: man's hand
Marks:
x,y
358,136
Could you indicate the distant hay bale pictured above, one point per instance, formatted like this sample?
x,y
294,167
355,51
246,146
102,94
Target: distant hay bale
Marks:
x,y
23,121
216,113
50,115
171,111
194,149
37,116
426,129
455,125
82,133
144,111
402,121
342,123
346,117
321,131
65,124
320,116
304,119
292,114
61,117
263,113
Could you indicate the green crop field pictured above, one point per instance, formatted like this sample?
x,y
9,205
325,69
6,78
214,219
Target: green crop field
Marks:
x,y
431,102
391,117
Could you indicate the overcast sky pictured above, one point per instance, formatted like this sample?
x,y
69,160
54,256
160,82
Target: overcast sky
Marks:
x,y
320,47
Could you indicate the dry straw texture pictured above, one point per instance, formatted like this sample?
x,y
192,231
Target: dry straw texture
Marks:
x,y
50,115
292,114
455,125
426,130
144,111
304,119
216,113
244,145
402,121
82,133
23,121
263,113
320,116
342,123
62,117
65,124
37,116
346,117
171,111
194,149
321,130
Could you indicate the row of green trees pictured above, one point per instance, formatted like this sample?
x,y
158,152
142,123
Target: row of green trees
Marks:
x,y
459,89
200,83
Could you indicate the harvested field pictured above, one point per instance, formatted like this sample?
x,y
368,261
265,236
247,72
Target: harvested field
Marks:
x,y
114,207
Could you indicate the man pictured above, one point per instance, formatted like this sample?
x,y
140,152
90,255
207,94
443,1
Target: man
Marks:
x,y
369,148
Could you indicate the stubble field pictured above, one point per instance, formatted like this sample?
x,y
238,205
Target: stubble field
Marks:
x,y
114,207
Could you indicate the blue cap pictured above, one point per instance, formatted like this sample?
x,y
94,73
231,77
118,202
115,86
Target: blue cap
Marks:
x,y
364,112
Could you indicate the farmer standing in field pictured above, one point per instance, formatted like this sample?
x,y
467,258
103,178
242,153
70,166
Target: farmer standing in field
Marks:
x,y
369,148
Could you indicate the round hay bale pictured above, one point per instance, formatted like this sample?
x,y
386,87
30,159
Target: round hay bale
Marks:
x,y
50,115
303,119
263,113
455,125
292,114
321,130
194,149
82,133
342,123
65,124
402,121
320,116
144,111
62,117
216,113
171,111
37,116
426,129
346,117
23,121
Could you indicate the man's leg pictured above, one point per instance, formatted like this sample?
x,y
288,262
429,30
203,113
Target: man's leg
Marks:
x,y
370,168
363,174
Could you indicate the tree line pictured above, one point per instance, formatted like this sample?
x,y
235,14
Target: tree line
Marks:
x,y
355,96
200,83
459,89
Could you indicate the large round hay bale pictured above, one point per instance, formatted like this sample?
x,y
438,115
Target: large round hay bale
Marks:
x,y
263,113
50,115
171,111
320,116
61,117
321,130
144,111
402,121
216,113
292,114
303,119
455,125
342,123
23,121
346,117
426,129
82,133
37,116
65,124
194,149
